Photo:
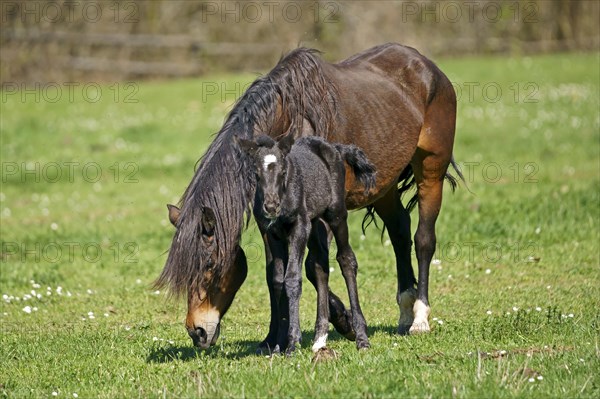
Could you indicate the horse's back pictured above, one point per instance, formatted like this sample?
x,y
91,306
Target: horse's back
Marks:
x,y
413,73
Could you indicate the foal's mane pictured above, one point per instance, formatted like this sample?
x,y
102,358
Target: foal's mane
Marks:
x,y
224,181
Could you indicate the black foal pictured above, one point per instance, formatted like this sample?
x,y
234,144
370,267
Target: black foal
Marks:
x,y
300,184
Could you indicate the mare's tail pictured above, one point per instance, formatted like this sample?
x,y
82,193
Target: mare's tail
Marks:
x,y
363,169
407,181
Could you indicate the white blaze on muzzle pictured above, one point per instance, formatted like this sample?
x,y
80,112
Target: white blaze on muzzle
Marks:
x,y
268,160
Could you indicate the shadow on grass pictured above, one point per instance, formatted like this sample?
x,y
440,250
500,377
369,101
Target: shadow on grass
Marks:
x,y
187,353
241,349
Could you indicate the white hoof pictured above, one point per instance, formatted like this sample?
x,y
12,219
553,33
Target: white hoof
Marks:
x,y
421,322
320,343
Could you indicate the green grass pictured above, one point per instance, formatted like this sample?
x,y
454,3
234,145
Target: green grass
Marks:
x,y
524,240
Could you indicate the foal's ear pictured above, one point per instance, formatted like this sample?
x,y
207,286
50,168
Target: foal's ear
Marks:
x,y
173,214
248,146
285,144
209,221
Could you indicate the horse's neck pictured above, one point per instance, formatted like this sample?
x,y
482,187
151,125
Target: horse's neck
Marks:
x,y
275,125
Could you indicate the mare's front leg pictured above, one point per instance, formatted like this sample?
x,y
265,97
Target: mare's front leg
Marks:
x,y
349,266
297,240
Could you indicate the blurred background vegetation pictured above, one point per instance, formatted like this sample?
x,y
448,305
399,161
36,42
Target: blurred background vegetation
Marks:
x,y
81,40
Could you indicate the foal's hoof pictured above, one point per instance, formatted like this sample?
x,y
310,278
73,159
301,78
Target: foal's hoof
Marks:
x,y
290,350
343,325
324,354
363,344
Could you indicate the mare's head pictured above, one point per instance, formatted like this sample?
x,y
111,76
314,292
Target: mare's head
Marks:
x,y
212,291
269,158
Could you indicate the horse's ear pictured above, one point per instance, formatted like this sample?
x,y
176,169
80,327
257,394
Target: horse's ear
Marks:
x,y
248,146
173,214
285,144
209,221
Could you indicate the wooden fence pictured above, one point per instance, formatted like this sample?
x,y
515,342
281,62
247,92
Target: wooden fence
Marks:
x,y
188,38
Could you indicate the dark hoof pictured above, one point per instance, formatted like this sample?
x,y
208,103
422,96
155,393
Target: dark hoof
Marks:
x,y
343,324
403,329
363,344
290,350
339,316
324,354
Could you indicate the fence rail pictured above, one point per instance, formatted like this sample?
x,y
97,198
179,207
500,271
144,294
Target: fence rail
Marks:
x,y
187,38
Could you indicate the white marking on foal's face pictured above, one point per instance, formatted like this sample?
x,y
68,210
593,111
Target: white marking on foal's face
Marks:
x,y
268,160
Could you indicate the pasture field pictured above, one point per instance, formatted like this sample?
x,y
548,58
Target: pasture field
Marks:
x,y
515,283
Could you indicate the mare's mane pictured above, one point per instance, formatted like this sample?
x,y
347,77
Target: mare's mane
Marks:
x,y
296,89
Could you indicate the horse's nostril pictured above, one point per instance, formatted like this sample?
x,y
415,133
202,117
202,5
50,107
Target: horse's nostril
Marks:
x,y
199,336
271,208
201,332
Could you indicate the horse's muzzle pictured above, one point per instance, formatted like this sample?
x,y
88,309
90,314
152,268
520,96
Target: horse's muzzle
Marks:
x,y
271,209
202,338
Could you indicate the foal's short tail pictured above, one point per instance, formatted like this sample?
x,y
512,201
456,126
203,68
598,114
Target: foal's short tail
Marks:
x,y
363,169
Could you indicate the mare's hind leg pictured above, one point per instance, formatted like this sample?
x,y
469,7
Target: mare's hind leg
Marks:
x,y
339,316
429,175
430,164
397,221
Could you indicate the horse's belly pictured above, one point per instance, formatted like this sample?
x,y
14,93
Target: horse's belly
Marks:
x,y
388,134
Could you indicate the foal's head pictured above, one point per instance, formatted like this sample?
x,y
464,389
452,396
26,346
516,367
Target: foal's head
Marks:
x,y
270,162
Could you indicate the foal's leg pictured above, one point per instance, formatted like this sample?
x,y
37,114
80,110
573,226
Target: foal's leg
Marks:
x,y
349,266
397,221
279,302
268,344
339,316
297,239
317,272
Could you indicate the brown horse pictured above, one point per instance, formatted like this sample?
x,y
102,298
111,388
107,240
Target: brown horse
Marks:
x,y
390,101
